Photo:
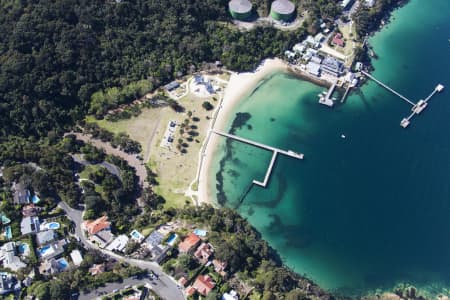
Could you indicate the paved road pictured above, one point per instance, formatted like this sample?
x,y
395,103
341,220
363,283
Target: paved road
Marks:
x,y
132,160
155,284
166,287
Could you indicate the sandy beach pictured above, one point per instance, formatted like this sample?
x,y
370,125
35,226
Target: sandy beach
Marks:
x,y
240,85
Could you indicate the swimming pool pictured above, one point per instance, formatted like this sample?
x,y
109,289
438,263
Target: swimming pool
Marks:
x,y
62,263
53,225
46,250
137,235
172,238
24,249
5,220
8,232
35,199
200,232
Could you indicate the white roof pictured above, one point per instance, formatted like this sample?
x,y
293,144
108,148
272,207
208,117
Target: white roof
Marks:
x,y
118,244
76,257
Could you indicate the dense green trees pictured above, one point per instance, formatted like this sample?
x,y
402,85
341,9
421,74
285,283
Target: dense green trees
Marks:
x,y
60,59
368,19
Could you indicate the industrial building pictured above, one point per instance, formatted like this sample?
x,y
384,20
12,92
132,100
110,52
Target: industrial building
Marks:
x,y
282,10
240,9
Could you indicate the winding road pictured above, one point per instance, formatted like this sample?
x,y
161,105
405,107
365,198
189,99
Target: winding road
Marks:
x,y
165,286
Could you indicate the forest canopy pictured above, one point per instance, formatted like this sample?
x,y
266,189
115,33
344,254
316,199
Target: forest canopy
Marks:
x,y
54,55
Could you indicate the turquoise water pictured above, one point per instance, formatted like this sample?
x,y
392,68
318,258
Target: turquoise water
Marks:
x,y
44,250
370,210
23,248
171,239
62,263
200,232
8,232
53,225
35,199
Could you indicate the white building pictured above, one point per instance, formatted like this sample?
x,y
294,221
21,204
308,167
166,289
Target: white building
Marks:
x,y
118,244
76,257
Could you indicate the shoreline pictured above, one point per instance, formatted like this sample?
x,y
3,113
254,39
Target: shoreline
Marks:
x,y
239,85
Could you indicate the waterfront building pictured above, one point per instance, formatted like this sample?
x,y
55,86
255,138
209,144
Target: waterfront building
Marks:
x,y
332,66
313,68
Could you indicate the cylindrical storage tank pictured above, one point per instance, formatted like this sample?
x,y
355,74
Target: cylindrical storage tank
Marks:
x,y
282,10
240,9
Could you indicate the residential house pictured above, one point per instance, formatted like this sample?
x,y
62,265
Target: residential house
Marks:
x,y
52,250
8,283
155,238
45,237
118,244
204,252
190,291
219,267
95,226
189,244
159,253
182,281
203,284
102,238
29,225
9,258
99,231
232,295
51,266
30,210
97,269
21,194
338,40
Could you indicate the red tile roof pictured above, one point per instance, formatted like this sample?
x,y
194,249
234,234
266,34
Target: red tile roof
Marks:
x,y
188,243
97,225
204,284
337,40
182,281
204,252
190,291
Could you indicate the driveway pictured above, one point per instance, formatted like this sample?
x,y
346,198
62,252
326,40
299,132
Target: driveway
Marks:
x,y
165,286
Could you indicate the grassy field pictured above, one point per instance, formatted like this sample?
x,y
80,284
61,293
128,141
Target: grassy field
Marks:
x,y
139,128
175,170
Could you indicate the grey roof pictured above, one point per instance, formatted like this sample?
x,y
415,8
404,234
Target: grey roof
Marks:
x,y
172,85
21,194
285,7
44,237
154,238
240,6
29,225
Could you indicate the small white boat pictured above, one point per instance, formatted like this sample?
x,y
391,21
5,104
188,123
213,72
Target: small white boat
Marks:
x,y
343,136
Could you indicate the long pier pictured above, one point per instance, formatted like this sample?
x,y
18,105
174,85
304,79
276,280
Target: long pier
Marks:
x,y
388,88
417,108
275,151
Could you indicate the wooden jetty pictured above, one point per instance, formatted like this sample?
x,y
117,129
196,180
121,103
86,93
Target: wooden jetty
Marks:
x,y
275,151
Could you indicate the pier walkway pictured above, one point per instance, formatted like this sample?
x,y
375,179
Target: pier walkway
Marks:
x,y
388,88
275,151
417,108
